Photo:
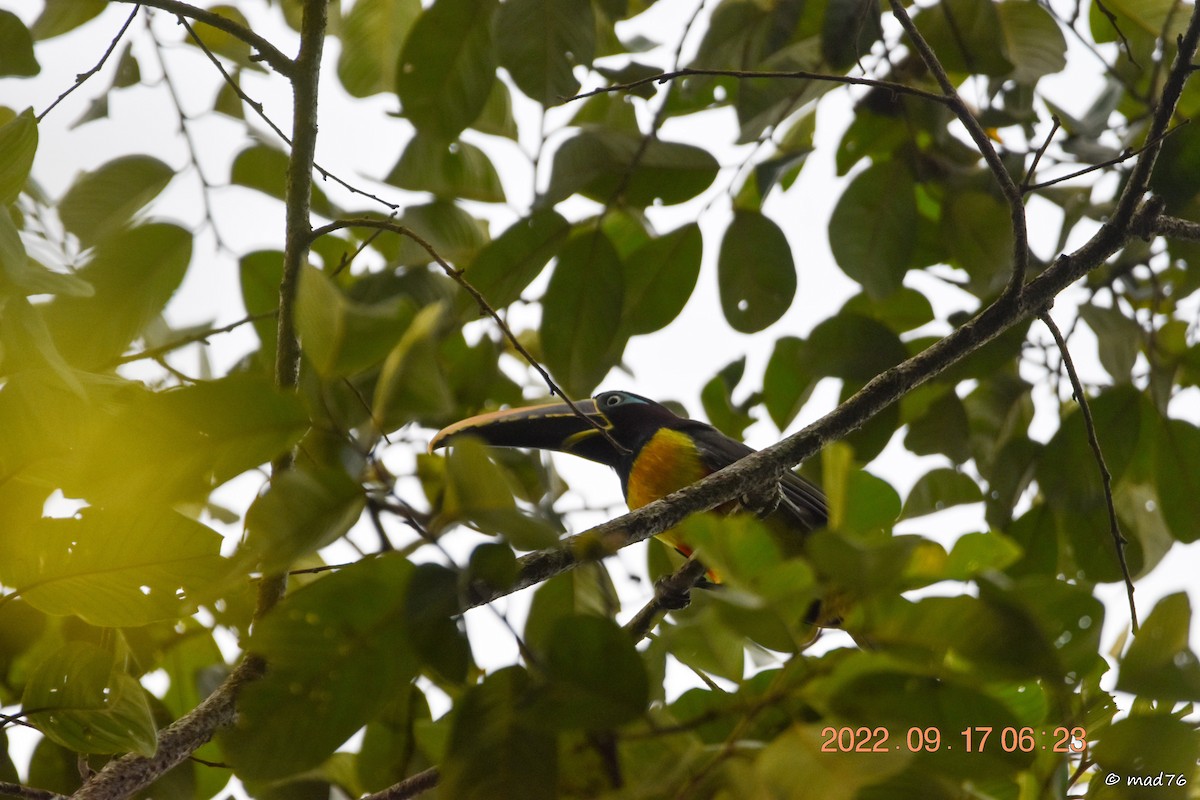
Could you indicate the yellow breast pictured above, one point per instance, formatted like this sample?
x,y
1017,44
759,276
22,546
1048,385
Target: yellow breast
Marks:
x,y
666,463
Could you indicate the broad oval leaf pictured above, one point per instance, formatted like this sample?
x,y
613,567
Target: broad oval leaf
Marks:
x,y
340,336
87,704
302,510
447,170
1032,40
493,753
371,33
134,272
60,16
755,272
16,47
940,489
115,569
18,143
963,34
975,227
1159,664
595,678
265,169
540,42
871,229
338,649
579,334
106,199
602,163
447,67
659,278
508,263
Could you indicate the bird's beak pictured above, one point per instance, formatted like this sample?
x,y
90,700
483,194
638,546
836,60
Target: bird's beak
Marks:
x,y
547,427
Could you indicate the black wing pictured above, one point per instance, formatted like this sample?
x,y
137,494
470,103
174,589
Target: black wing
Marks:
x,y
803,504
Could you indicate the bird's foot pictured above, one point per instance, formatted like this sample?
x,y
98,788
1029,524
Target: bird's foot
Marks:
x,y
762,501
671,594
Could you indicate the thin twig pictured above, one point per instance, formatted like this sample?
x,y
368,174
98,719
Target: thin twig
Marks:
x,y
411,786
202,336
1041,151
670,593
266,51
1114,524
1125,155
800,75
177,102
257,107
1016,205
457,276
83,76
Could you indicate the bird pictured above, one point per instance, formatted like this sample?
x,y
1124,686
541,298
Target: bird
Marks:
x,y
657,453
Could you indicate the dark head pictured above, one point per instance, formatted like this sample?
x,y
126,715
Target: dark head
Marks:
x,y
628,418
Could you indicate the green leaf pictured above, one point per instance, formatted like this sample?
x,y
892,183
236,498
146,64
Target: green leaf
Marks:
x,y
454,234
447,66
103,201
851,27
85,703
265,169
492,753
659,278
18,143
497,115
181,443
755,272
303,510
787,382
135,272
963,34
594,676
540,42
478,491
60,16
1135,18
853,348
1120,339
341,337
974,553
796,764
447,170
16,47
600,163
580,338
412,383
700,641
940,489
222,42
338,650
903,310
1131,745
371,33
976,228
26,276
430,608
1067,471
1177,472
259,274
871,229
507,264
114,569
1032,40
943,428
1159,663
867,690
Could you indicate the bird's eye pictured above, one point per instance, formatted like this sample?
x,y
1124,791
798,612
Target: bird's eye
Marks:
x,y
612,400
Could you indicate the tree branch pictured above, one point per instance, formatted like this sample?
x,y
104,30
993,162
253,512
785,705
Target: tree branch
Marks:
x,y
1114,524
266,51
767,465
411,786
83,76
130,773
28,792
670,592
